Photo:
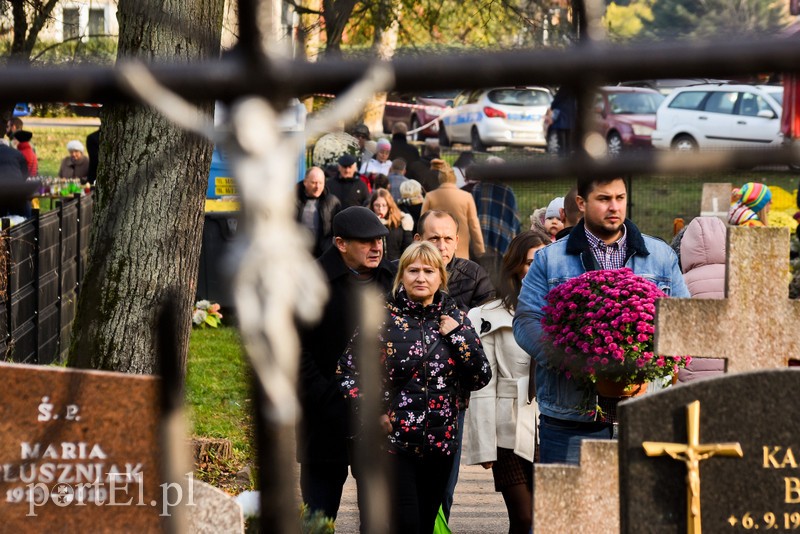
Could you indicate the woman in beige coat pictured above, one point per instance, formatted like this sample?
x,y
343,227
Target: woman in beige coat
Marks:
x,y
500,430
460,205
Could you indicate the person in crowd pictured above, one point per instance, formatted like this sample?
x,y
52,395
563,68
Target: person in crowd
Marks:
x,y
13,125
469,285
421,170
461,205
362,135
76,165
345,184
23,138
605,239
400,145
560,120
381,182
497,212
501,421
13,170
316,208
397,176
411,201
462,162
569,213
537,220
750,206
400,225
703,262
379,164
93,149
354,262
552,217
430,355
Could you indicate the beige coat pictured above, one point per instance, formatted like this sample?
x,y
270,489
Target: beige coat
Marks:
x,y
461,205
499,414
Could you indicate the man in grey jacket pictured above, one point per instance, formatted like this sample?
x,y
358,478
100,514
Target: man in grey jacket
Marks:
x,y
605,239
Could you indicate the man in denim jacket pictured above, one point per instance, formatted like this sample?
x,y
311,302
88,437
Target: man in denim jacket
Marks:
x,y
604,239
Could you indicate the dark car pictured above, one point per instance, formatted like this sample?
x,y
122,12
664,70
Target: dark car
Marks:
x,y
415,111
626,116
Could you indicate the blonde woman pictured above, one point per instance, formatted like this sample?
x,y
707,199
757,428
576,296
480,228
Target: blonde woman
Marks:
x,y
429,353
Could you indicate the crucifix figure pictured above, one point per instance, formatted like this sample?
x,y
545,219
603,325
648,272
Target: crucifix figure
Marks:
x,y
692,453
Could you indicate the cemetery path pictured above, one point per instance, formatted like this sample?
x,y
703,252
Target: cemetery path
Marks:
x,y
477,508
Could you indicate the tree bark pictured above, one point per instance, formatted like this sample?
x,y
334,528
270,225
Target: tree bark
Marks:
x,y
387,29
149,210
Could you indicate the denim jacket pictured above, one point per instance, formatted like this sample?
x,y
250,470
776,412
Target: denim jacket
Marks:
x,y
567,258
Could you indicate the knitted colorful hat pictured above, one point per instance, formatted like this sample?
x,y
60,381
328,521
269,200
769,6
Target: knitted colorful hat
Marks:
x,y
740,214
755,195
384,144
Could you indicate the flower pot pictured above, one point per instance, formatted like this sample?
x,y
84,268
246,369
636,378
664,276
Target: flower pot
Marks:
x,y
609,388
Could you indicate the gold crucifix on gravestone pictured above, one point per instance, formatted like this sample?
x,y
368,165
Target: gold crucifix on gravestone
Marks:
x,y
692,453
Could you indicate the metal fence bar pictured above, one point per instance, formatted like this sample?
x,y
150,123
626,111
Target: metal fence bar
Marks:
x,y
232,76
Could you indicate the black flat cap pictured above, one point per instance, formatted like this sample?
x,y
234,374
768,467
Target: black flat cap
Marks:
x,y
23,136
346,160
358,222
361,130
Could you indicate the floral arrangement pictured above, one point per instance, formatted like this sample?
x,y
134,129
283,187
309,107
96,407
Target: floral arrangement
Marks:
x,y
600,326
206,314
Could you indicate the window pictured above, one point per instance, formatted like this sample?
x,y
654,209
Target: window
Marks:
x,y
71,21
519,97
751,104
97,21
688,100
721,102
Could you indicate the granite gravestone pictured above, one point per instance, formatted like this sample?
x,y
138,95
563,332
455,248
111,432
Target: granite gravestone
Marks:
x,y
572,498
755,326
755,414
79,451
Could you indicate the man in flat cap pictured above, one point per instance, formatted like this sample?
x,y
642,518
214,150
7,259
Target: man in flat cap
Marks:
x,y
346,185
356,260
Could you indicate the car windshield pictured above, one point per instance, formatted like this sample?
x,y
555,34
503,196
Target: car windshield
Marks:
x,y
634,103
520,97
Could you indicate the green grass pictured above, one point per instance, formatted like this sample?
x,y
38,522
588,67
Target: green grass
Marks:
x,y
51,144
218,394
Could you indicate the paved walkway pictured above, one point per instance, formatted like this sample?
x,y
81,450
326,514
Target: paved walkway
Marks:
x,y
477,508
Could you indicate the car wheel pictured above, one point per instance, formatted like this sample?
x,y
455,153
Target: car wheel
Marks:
x,y
414,125
614,144
477,144
443,139
684,143
552,142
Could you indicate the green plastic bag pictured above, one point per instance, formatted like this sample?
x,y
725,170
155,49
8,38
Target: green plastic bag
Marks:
x,y
440,527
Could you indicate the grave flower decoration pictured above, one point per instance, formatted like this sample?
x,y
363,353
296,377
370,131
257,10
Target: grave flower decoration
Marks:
x,y
600,325
205,314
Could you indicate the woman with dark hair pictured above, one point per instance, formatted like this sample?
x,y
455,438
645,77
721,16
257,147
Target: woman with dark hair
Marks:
x,y
399,224
430,354
464,160
500,431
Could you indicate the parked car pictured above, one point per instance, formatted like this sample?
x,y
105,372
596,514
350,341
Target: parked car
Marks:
x,y
501,116
720,116
22,110
626,116
415,111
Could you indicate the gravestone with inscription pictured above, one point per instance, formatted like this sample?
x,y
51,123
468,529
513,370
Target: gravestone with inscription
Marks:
x,y
716,200
79,452
719,456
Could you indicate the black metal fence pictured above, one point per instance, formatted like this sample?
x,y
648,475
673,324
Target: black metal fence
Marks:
x,y
45,259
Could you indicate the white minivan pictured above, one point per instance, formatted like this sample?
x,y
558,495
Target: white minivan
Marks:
x,y
720,116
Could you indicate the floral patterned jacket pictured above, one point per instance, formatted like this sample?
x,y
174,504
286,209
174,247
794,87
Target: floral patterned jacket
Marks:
x,y
420,399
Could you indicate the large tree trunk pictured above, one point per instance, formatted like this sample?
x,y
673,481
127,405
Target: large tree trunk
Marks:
x,y
148,217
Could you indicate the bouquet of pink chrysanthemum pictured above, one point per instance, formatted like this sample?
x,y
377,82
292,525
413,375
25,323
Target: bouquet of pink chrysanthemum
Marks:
x,y
600,326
